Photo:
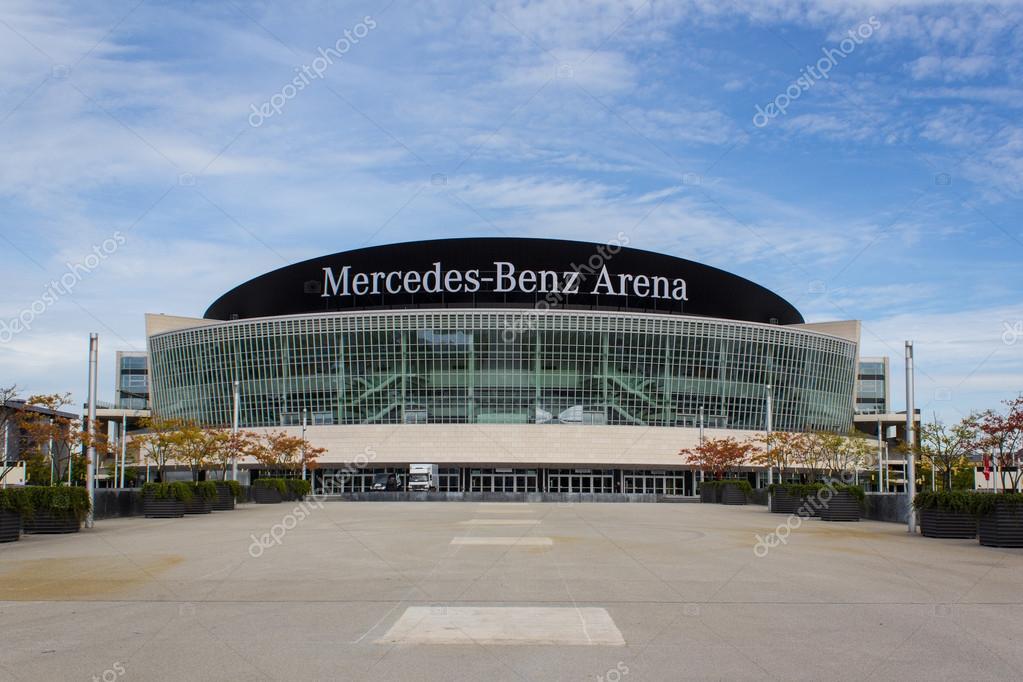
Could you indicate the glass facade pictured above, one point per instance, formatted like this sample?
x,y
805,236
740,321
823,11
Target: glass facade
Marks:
x,y
132,388
509,367
872,387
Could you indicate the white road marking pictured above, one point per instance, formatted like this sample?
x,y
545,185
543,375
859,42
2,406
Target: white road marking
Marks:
x,y
553,625
501,522
527,540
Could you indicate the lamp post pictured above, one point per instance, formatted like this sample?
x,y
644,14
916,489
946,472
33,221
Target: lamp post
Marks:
x,y
910,441
770,466
701,439
124,447
303,445
234,431
90,467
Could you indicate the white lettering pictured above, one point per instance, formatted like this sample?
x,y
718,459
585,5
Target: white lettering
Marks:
x,y
505,277
331,285
604,281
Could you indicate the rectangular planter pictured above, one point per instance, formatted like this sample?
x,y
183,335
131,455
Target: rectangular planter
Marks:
x,y
266,495
1002,527
732,494
711,494
10,525
48,522
224,500
199,504
165,508
841,506
782,502
944,523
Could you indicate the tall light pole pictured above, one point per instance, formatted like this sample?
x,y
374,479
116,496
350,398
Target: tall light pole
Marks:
x,y
880,460
701,438
234,431
124,447
910,440
770,466
90,467
303,445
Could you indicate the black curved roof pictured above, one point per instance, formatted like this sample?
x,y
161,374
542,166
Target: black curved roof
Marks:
x,y
611,277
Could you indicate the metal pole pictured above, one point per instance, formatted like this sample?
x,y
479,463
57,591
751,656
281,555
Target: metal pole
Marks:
x,y
701,439
303,445
234,431
90,468
880,460
910,440
124,446
770,466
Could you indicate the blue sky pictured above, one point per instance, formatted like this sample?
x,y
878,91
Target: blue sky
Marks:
x,y
889,191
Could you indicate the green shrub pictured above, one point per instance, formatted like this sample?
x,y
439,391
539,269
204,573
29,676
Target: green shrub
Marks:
x,y
945,500
804,489
235,487
854,490
741,483
278,483
207,489
985,503
16,499
298,487
58,500
178,490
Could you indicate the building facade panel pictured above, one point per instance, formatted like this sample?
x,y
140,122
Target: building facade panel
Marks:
x,y
524,367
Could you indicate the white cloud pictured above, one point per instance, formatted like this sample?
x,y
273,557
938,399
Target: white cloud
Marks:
x,y
951,68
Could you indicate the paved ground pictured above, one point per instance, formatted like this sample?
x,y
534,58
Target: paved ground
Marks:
x,y
393,591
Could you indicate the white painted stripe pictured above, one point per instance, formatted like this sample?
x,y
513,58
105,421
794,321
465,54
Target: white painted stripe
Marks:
x,y
501,522
525,541
553,625
499,510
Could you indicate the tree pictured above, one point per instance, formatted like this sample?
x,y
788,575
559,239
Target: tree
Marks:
x,y
160,444
235,446
279,450
1001,437
197,446
812,453
778,449
849,453
51,444
719,455
947,447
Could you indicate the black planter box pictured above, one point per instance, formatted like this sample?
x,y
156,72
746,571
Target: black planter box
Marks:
x,y
809,506
842,506
48,522
710,494
943,523
224,500
732,494
10,525
1002,527
782,502
166,508
266,495
199,504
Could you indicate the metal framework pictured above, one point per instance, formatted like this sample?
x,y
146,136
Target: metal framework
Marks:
x,y
504,366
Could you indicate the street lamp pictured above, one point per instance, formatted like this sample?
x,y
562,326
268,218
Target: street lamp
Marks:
x,y
303,445
770,464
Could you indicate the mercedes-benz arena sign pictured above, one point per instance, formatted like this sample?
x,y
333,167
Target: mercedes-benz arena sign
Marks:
x,y
504,272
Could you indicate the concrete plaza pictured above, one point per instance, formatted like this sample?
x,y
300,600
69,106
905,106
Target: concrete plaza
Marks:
x,y
469,591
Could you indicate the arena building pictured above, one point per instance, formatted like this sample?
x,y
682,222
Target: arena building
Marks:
x,y
515,365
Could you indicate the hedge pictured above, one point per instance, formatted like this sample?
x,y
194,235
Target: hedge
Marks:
x,y
59,500
179,490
